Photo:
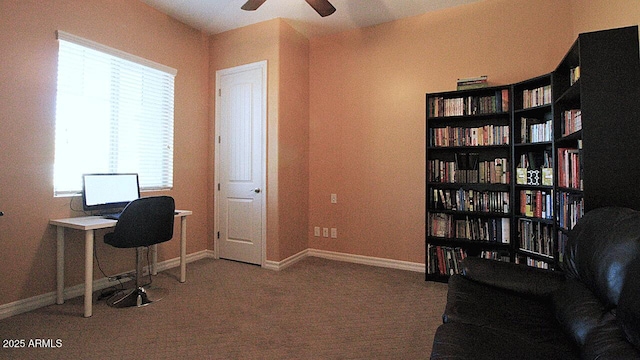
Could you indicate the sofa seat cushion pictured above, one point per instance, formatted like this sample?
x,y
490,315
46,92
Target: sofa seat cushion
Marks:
x,y
469,302
467,341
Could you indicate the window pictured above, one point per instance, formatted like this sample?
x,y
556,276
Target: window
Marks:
x,y
114,113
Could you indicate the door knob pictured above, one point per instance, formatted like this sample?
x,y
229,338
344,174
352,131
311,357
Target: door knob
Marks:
x,y
257,190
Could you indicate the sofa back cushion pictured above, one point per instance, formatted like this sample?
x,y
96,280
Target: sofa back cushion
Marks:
x,y
600,248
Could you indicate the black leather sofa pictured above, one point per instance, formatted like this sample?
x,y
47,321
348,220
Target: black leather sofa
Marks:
x,y
591,310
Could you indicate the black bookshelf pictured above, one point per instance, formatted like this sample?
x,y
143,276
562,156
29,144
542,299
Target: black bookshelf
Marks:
x,y
571,147
469,195
605,89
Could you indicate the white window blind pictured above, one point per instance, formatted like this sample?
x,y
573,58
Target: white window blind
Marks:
x,y
114,113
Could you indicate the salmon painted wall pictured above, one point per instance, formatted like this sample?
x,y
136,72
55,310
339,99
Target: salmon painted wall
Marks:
x,y
28,73
593,15
367,111
287,123
293,142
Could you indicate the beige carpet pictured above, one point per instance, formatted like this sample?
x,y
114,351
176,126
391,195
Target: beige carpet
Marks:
x,y
315,309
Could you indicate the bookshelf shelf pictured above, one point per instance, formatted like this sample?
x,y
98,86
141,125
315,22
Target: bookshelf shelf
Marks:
x,y
568,141
573,137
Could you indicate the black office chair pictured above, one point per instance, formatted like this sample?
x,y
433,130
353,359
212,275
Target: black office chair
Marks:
x,y
144,222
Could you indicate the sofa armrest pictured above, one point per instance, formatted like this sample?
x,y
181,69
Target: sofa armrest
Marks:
x,y
515,277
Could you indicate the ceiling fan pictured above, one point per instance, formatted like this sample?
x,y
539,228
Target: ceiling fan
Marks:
x,y
322,7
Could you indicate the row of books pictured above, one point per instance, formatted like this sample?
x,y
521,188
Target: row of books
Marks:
x,y
469,200
570,167
536,237
570,209
445,260
469,105
533,131
468,169
532,262
571,121
495,255
536,97
536,203
486,135
496,230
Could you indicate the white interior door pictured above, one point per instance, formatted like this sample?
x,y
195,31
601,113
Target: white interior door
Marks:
x,y
240,162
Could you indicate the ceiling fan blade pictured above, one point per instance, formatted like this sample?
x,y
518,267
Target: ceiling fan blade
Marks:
x,y
323,7
251,5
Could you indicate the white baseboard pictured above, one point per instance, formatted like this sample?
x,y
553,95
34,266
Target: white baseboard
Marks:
x,y
358,259
279,265
36,302
368,260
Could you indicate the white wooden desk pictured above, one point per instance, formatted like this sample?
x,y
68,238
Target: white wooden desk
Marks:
x,y
89,224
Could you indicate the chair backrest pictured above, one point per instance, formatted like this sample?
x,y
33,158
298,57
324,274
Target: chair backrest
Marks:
x,y
144,222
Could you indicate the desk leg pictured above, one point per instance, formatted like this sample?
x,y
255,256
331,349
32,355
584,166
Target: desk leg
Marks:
x,y
88,273
60,266
183,248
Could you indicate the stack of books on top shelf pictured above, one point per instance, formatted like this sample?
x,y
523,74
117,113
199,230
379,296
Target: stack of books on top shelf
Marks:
x,y
472,83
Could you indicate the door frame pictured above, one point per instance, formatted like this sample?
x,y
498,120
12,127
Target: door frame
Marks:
x,y
262,65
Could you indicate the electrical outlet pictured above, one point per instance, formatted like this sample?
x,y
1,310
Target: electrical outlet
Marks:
x,y
316,231
325,232
334,198
334,233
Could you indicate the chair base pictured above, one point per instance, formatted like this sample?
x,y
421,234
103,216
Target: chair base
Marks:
x,y
135,297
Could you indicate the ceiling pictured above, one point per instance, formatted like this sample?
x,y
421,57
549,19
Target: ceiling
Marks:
x,y
216,16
